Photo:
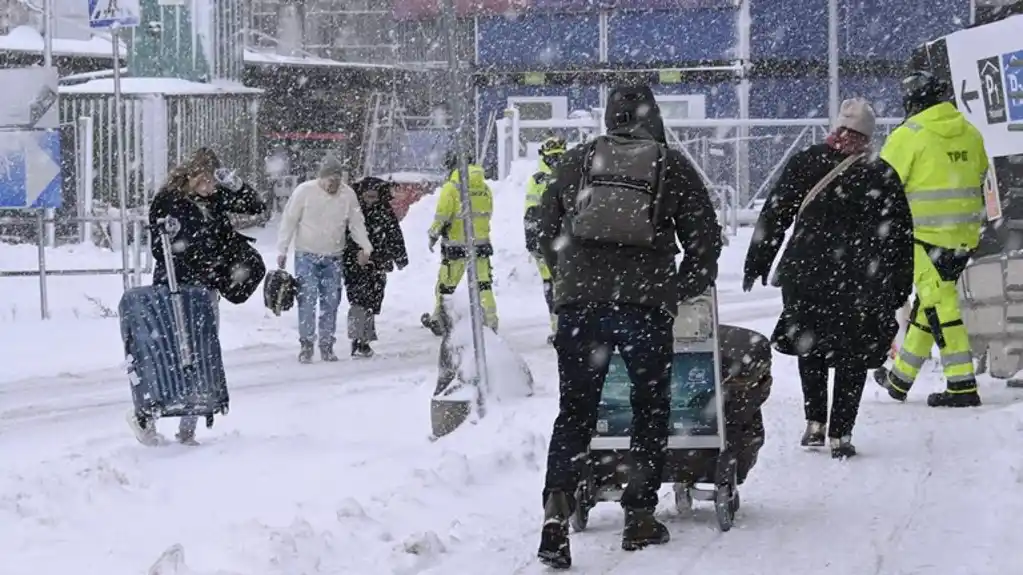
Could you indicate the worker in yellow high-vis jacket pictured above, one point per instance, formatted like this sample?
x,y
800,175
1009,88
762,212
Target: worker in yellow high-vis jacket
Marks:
x,y
940,159
551,151
447,228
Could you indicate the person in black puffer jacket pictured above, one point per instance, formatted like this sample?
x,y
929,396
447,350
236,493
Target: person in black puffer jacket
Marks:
x,y
611,224
365,285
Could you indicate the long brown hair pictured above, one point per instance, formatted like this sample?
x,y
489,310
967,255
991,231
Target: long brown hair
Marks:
x,y
203,161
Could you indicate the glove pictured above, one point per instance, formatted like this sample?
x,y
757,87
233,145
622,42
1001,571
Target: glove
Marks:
x,y
363,258
433,242
401,264
228,179
282,260
748,281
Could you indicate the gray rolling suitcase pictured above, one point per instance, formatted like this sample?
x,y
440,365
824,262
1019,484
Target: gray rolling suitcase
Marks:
x,y
172,348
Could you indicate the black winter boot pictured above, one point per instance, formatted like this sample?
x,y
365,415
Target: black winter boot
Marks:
x,y
954,399
361,349
306,353
554,547
883,378
641,530
842,447
814,435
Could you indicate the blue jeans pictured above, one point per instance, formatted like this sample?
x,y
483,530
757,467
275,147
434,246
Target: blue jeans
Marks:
x,y
319,279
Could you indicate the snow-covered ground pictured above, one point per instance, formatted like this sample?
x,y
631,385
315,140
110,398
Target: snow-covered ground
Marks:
x,y
328,469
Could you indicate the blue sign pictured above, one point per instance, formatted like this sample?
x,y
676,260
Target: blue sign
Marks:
x,y
114,13
30,175
1012,74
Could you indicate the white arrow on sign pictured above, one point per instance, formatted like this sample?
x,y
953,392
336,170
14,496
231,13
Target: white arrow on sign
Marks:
x,y
40,168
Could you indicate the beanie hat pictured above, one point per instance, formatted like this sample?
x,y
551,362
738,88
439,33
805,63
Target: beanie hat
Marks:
x,y
331,166
856,114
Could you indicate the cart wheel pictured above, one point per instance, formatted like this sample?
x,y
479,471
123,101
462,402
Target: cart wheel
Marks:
x,y
581,516
209,422
683,498
723,507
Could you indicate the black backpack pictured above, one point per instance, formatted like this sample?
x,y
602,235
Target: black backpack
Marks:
x,y
619,195
279,291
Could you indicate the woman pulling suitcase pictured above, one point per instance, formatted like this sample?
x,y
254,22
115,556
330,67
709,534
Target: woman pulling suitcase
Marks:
x,y
207,253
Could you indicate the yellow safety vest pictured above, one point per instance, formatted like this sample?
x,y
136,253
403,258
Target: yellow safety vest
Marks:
x,y
446,223
941,161
538,184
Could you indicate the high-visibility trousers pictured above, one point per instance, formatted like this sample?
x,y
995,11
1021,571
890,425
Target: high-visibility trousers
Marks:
x,y
935,319
450,275
548,288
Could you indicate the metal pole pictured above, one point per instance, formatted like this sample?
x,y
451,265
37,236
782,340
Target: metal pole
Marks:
x,y
122,189
51,228
456,95
833,94
44,298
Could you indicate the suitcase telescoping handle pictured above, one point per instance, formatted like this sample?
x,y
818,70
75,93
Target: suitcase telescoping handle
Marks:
x,y
169,227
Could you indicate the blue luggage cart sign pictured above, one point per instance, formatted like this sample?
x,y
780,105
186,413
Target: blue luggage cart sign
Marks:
x,y
694,415
1012,72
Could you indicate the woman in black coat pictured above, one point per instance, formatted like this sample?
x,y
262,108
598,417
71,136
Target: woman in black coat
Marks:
x,y
207,251
365,285
846,270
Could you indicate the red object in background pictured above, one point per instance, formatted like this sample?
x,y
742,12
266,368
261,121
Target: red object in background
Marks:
x,y
404,195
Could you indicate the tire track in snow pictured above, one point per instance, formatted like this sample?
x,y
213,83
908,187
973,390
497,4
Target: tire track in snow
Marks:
x,y
268,368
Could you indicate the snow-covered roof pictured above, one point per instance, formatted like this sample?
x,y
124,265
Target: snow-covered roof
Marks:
x,y
28,39
260,57
165,86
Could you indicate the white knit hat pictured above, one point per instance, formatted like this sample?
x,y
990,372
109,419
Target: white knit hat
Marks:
x,y
856,114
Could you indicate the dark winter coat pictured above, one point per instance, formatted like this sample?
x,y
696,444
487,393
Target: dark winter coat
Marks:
x,y
587,272
206,247
365,284
849,264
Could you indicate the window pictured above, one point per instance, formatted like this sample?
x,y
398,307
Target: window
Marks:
x,y
540,107
688,107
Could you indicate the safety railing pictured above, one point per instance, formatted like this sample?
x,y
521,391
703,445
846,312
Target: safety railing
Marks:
x,y
140,261
745,154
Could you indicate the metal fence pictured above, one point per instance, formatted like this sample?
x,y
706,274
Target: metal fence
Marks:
x,y
159,132
743,155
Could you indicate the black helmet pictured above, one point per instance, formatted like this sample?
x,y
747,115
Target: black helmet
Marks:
x,y
921,90
451,159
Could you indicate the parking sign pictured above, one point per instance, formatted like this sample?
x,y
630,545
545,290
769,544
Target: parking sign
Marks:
x,y
1012,71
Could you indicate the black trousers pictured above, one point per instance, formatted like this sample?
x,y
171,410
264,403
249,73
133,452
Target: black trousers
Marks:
x,y
586,337
850,377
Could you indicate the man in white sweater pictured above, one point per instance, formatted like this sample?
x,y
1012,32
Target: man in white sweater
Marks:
x,y
317,215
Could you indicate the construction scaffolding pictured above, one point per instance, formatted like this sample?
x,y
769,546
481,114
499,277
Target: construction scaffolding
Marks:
x,y
396,142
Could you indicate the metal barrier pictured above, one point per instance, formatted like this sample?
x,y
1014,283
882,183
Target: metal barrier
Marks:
x,y
131,276
728,152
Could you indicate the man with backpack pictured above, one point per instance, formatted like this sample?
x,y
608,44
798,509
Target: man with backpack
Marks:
x,y
609,226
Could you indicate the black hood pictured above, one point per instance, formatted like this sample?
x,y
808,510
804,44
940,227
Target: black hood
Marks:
x,y
633,110
383,187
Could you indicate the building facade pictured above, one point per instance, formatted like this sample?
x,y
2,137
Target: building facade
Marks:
x,y
704,58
